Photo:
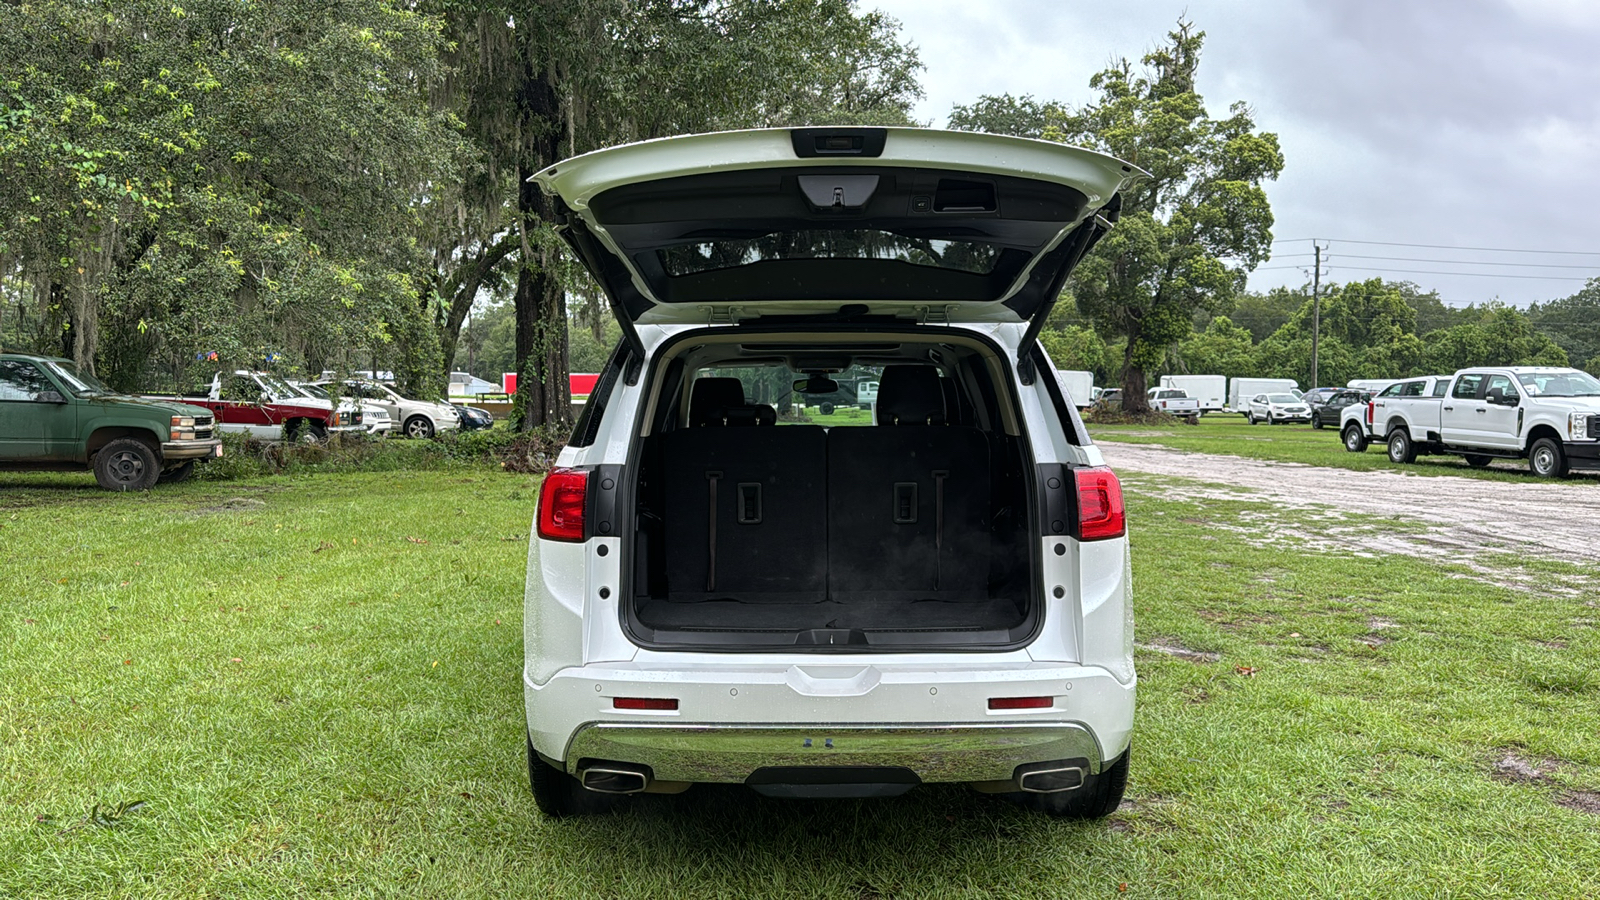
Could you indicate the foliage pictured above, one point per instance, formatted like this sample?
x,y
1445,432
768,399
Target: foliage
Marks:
x,y
1191,229
500,446
215,176
1572,322
1502,337
1076,347
1222,349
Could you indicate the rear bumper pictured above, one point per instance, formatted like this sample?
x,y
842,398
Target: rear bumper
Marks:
x,y
731,753
734,720
205,449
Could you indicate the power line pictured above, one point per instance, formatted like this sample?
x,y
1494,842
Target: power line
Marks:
x,y
1462,274
1443,246
1467,262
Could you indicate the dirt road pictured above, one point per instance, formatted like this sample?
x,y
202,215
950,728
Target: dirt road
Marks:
x,y
1464,517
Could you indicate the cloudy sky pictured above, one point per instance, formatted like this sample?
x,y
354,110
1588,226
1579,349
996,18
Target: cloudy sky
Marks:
x,y
1461,124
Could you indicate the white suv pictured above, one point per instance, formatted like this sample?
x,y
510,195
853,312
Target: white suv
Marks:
x,y
719,591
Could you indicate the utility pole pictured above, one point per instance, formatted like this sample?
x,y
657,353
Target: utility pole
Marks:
x,y
1316,312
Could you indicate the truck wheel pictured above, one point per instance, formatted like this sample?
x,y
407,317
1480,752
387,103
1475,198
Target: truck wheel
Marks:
x,y
1099,797
127,465
1476,461
1354,440
1546,459
419,427
304,431
827,409
559,795
178,474
1401,450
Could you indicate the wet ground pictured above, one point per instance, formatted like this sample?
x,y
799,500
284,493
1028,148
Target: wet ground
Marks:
x,y
1453,519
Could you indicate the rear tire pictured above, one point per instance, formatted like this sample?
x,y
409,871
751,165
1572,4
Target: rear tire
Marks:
x,y
1476,461
1354,440
178,474
1547,460
1099,797
127,464
1401,450
559,795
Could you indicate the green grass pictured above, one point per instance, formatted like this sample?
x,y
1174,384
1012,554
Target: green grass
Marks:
x,y
1232,435
312,704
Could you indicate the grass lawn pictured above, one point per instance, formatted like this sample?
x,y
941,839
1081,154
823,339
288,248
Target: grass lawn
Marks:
x,y
1232,435
313,684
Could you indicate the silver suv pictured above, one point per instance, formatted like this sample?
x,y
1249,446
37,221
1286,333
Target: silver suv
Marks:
x,y
721,590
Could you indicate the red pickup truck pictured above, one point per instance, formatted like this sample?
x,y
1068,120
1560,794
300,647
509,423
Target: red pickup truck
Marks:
x,y
266,407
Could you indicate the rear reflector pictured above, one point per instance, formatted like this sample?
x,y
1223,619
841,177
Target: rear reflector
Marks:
x,y
1100,512
643,703
1021,702
561,501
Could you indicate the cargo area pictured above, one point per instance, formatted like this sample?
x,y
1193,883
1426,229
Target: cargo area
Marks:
x,y
905,528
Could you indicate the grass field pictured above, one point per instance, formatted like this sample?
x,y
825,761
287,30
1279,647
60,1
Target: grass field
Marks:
x,y
313,684
1232,435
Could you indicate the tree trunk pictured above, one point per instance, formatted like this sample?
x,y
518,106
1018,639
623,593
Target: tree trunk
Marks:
x,y
463,290
1134,380
544,396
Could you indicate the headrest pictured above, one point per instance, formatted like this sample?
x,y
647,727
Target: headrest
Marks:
x,y
711,399
910,395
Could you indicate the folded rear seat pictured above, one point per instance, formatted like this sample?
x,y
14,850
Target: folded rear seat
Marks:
x,y
909,499
747,505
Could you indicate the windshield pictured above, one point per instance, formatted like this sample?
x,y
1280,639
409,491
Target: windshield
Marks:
x,y
312,390
277,386
1570,383
81,384
1282,398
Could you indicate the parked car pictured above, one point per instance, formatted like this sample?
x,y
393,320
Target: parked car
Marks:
x,y
374,417
55,417
1315,397
1330,410
265,406
866,394
1277,409
1240,390
417,418
473,418
1174,402
1548,415
1110,398
849,611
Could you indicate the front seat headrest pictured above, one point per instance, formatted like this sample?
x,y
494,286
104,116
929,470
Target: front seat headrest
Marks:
x,y
711,400
910,395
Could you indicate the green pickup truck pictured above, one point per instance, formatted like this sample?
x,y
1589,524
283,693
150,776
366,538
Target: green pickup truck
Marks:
x,y
54,417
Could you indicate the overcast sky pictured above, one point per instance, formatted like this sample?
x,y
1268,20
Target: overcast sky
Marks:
x,y
1467,123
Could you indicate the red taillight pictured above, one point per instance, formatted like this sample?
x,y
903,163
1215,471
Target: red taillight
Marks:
x,y
643,703
1021,702
561,501
1100,512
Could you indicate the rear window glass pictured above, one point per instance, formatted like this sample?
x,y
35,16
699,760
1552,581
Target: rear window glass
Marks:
x,y
773,386
728,253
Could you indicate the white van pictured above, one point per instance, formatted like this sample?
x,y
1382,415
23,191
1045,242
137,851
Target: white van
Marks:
x,y
1210,390
1079,386
851,611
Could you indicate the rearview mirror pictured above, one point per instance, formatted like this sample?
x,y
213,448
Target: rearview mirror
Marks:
x,y
49,397
816,384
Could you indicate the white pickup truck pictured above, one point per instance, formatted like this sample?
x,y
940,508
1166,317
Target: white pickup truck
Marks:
x,y
1174,402
1547,415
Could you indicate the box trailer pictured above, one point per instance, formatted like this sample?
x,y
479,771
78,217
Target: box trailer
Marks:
x,y
1240,390
1210,390
1078,386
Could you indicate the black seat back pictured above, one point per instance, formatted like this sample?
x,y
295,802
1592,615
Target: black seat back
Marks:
x,y
909,500
747,513
720,402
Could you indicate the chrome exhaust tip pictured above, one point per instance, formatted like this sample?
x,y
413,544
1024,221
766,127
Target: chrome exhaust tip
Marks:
x,y
615,778
1051,778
